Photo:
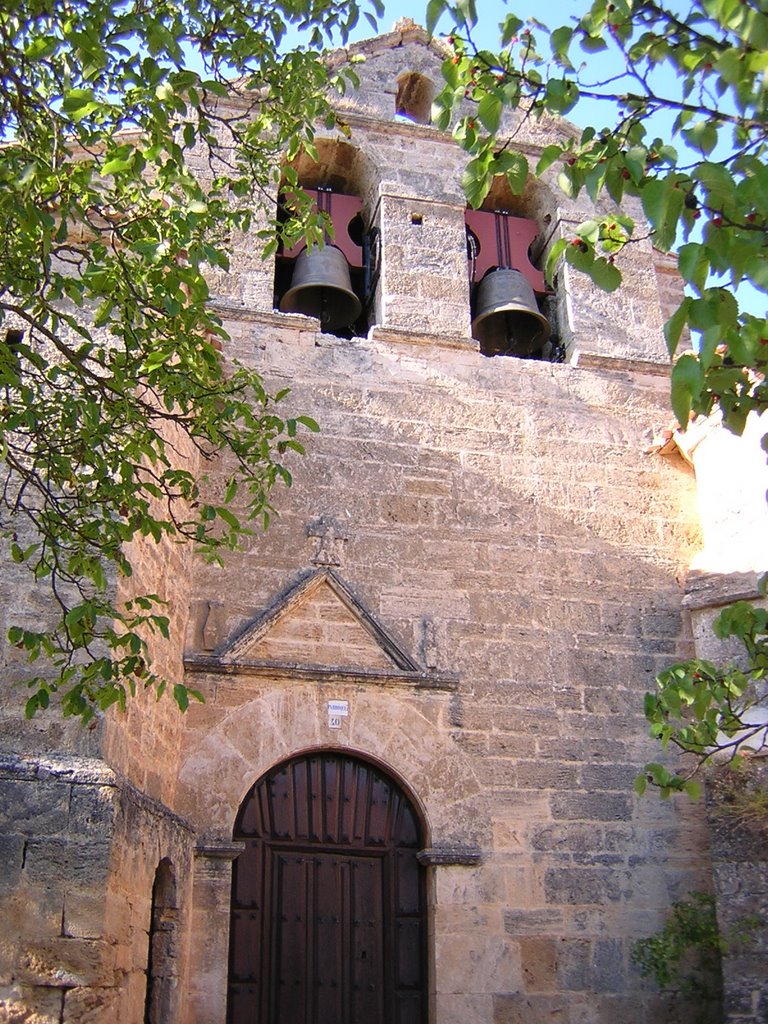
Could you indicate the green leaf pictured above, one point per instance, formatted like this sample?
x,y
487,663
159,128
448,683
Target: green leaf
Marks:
x,y
693,264
548,156
552,257
673,328
510,28
435,8
476,182
718,183
181,696
561,95
560,40
729,65
489,112
309,423
687,385
515,167
655,200
74,100
605,275
702,136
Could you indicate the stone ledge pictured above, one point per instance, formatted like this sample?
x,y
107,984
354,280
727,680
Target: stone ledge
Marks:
x,y
390,335
277,670
712,589
271,317
57,768
394,335
594,361
219,851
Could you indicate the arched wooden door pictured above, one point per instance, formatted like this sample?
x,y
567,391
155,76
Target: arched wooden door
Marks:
x,y
328,905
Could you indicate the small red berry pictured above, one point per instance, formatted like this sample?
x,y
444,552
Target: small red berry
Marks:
x,y
571,161
625,174
717,221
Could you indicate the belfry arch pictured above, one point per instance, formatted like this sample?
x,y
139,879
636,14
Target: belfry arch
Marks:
x,y
328,914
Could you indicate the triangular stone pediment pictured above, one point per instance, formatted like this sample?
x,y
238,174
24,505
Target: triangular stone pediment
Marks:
x,y
320,624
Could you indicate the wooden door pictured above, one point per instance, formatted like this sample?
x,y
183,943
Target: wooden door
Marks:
x,y
328,922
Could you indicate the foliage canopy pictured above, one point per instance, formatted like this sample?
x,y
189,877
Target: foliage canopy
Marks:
x,y
137,138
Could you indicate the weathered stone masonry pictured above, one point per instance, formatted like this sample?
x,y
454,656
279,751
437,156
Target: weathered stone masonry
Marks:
x,y
478,557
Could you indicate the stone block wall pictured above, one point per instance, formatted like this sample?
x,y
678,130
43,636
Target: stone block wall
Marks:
x,y
80,849
501,529
506,511
58,815
740,862
738,822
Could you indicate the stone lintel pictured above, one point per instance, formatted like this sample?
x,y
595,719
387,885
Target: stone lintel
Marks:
x,y
441,856
394,335
222,851
714,589
270,317
279,670
594,361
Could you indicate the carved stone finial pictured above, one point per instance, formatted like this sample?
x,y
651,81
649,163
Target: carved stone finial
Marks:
x,y
331,537
404,25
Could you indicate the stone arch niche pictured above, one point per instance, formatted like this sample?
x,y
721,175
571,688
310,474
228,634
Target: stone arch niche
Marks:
x,y
340,183
410,744
328,897
162,963
220,764
510,233
413,100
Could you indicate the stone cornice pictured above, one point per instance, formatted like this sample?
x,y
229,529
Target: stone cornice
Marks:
x,y
283,670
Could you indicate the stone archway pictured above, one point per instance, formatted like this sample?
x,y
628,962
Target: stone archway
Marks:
x,y
162,969
328,898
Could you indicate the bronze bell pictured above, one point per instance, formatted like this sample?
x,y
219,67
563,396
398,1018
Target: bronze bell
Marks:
x,y
507,320
321,287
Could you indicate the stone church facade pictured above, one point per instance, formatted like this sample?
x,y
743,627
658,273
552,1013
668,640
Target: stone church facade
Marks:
x,y
423,684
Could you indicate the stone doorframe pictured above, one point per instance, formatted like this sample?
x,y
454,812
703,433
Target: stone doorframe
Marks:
x,y
404,734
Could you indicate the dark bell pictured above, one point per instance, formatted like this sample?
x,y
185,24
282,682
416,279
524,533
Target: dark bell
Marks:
x,y
507,320
321,287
